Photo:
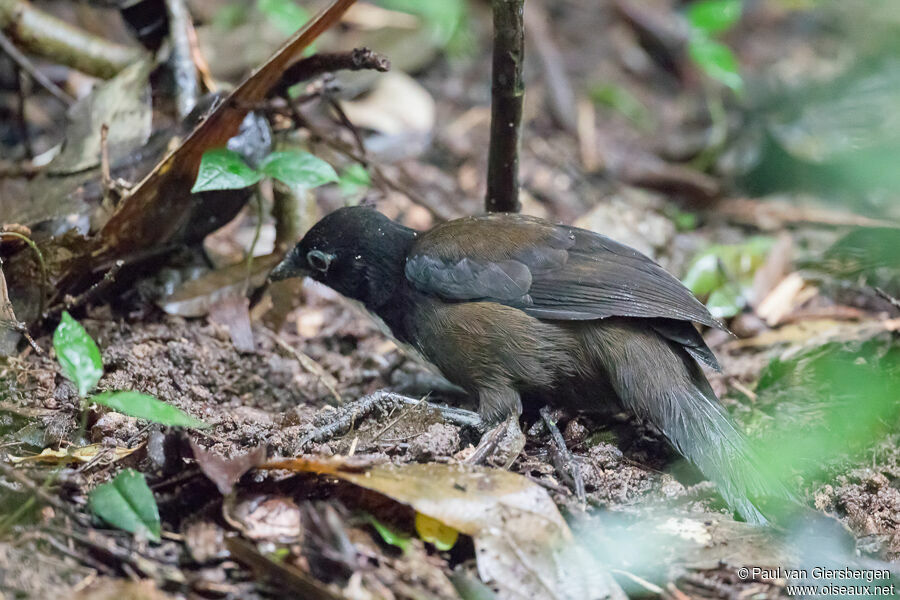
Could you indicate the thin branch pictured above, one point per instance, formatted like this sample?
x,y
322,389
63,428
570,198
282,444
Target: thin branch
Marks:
x,y
890,299
73,302
184,70
317,64
42,34
39,256
439,211
507,95
39,78
567,461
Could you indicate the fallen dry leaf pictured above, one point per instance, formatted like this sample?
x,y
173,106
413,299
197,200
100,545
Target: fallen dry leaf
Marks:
x,y
83,454
523,545
263,517
225,472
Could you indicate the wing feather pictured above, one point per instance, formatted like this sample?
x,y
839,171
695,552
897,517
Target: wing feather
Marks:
x,y
553,272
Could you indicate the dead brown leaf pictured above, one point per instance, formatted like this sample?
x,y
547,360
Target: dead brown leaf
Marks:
x,y
225,472
523,545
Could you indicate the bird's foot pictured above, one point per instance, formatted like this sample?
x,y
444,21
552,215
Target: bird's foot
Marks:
x,y
563,460
383,402
502,444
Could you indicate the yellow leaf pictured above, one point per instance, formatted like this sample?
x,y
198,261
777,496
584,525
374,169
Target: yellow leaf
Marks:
x,y
435,532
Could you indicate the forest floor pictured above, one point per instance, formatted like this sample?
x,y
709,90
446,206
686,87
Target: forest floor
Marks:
x,y
624,172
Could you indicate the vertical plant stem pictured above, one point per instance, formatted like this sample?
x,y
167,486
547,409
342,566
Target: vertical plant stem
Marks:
x,y
507,94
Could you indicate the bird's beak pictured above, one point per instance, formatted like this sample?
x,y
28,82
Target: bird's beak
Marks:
x,y
286,269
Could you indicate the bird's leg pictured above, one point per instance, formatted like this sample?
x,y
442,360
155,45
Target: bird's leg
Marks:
x,y
382,401
563,459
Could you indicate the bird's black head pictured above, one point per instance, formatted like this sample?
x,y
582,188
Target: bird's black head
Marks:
x,y
356,251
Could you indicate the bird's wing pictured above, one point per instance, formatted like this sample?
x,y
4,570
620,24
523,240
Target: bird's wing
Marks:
x,y
549,271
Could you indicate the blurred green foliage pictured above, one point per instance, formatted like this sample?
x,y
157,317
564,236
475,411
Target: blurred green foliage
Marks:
x,y
723,274
866,255
619,99
354,181
708,18
286,15
714,16
832,401
446,20
388,534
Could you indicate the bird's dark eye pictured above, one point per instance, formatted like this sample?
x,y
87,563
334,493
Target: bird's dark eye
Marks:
x,y
319,260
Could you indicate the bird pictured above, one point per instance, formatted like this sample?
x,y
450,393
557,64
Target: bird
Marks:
x,y
514,308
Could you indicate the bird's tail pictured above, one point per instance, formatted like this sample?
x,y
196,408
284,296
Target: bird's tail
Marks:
x,y
661,383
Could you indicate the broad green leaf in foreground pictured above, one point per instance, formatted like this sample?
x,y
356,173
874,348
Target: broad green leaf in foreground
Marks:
x,y
223,169
143,406
298,169
714,16
126,502
77,354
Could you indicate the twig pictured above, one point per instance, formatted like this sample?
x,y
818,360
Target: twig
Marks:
x,y
390,425
209,82
105,177
41,493
570,461
438,211
81,557
127,558
317,64
487,446
650,587
256,233
184,71
348,124
507,94
44,35
21,119
560,95
26,65
890,299
308,365
45,278
70,302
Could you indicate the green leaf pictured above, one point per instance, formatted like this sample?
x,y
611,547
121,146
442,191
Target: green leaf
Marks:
x,y
435,532
725,302
142,406
389,534
444,19
716,60
77,354
223,169
714,16
286,15
298,169
704,275
126,502
354,179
